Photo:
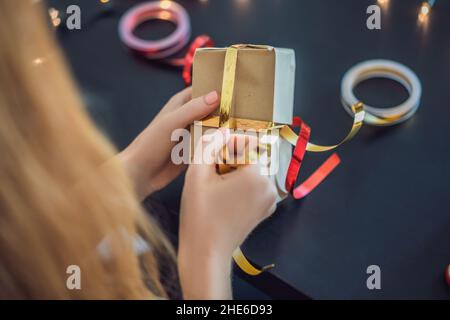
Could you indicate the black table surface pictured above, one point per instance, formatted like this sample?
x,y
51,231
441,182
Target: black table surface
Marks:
x,y
387,204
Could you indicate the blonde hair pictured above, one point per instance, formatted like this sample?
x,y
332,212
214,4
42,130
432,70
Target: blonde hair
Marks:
x,y
63,196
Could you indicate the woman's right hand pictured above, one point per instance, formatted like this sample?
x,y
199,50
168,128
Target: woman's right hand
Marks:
x,y
217,214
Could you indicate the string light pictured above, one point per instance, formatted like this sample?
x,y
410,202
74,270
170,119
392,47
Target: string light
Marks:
x,y
425,10
54,16
242,3
383,4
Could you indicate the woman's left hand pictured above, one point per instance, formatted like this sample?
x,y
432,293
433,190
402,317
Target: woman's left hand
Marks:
x,y
147,158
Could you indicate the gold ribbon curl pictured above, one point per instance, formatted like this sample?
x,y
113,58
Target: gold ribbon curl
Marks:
x,y
358,111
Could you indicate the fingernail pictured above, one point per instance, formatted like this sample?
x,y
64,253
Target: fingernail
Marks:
x,y
211,97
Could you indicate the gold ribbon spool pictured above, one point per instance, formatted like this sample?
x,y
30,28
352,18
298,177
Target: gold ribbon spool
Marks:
x,y
381,68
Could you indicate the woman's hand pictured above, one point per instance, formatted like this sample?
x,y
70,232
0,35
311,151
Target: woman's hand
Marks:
x,y
217,214
147,158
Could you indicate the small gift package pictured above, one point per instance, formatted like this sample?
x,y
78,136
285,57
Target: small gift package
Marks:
x,y
256,84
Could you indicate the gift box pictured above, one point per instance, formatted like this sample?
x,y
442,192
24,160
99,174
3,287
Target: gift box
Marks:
x,y
260,91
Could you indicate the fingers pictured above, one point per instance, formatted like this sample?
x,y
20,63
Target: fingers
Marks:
x,y
180,98
196,109
209,148
206,153
268,194
257,185
240,147
175,102
272,209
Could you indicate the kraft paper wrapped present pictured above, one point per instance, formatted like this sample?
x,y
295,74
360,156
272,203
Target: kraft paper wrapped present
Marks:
x,y
262,97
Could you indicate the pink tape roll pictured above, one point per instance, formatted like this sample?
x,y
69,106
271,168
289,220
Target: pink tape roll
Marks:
x,y
158,49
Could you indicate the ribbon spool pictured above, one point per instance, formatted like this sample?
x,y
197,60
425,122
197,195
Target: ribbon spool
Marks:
x,y
164,48
382,69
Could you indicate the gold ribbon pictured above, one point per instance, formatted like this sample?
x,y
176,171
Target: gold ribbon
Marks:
x,y
358,110
246,266
225,120
242,124
386,121
226,100
229,75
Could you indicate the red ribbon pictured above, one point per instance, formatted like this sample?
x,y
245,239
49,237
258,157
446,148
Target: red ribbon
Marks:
x,y
296,162
202,41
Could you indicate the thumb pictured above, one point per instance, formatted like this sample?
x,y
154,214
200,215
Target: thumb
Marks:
x,y
207,152
196,109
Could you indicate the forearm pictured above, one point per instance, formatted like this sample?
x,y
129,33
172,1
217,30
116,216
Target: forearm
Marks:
x,y
204,274
135,173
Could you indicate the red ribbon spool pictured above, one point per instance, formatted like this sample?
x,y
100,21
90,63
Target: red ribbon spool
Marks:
x,y
164,48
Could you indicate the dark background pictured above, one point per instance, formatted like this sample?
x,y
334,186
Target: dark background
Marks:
x,y
388,202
